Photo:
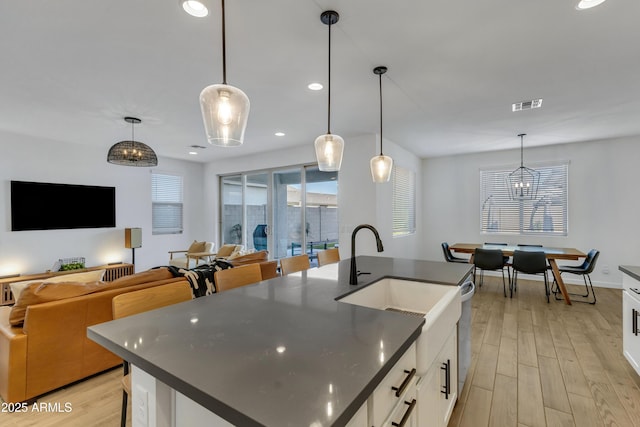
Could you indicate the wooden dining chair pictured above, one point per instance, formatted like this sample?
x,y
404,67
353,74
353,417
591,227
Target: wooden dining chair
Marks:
x,y
236,277
269,269
135,302
294,263
328,256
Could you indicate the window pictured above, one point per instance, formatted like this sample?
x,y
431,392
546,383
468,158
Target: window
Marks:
x,y
546,215
404,202
166,204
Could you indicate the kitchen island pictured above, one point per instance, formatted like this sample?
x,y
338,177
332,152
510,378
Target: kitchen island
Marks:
x,y
282,352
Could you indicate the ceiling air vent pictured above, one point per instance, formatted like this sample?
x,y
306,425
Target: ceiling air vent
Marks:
x,y
526,105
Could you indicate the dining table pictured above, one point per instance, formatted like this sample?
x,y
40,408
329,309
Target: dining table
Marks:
x,y
552,254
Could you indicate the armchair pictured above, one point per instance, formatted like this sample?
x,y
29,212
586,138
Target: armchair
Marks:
x,y
197,252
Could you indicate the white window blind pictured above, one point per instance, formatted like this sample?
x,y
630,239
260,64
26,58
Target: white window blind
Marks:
x,y
166,202
404,201
546,215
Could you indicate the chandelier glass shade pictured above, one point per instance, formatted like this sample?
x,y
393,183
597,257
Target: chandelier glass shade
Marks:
x,y
523,182
381,165
132,153
329,147
225,109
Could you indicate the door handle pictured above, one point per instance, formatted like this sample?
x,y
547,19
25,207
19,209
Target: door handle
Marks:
x,y
446,367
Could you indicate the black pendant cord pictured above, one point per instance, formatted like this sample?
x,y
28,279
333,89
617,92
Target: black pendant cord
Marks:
x,y
380,76
224,48
329,86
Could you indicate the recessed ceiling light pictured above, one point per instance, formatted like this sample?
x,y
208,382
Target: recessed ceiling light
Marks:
x,y
194,8
315,86
588,4
279,134
193,153
526,105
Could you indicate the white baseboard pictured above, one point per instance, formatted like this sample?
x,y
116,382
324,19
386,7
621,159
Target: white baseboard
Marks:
x,y
567,280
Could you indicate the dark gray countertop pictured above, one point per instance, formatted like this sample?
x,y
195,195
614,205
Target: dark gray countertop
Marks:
x,y
278,353
631,270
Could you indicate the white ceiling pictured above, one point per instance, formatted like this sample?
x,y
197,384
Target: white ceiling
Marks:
x,y
72,69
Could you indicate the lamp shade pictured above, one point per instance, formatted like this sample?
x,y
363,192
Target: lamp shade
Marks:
x,y
329,150
225,111
132,153
381,167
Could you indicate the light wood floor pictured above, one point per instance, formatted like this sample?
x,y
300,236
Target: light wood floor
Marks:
x,y
94,402
538,364
534,364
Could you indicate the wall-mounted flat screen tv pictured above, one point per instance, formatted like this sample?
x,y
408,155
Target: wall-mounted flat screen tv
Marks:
x,y
48,206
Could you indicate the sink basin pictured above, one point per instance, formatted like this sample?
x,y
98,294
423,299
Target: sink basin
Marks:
x,y
440,305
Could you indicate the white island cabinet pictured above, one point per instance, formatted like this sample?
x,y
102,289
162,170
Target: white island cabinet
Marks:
x,y
438,389
631,318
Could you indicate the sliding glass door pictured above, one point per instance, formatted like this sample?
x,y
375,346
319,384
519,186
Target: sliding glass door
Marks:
x,y
285,211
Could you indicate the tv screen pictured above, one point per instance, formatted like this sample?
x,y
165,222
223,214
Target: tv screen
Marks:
x,y
47,206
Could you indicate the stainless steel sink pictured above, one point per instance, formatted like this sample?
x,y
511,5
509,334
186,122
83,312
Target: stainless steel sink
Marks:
x,y
440,305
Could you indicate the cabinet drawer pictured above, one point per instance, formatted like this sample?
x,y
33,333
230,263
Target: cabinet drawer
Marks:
x,y
405,413
393,387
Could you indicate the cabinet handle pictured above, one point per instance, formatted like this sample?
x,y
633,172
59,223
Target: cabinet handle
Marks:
x,y
406,415
636,290
446,367
634,321
405,383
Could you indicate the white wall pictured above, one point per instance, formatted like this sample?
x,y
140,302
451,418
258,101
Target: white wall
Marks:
x,y
30,159
603,201
360,201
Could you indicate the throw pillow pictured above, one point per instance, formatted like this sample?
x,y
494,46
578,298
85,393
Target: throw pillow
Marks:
x,y
41,292
226,250
196,247
85,276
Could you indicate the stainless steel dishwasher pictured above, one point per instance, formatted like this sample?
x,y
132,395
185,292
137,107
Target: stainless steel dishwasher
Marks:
x,y
467,290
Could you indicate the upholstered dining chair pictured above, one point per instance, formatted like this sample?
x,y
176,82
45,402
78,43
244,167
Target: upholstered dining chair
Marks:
x,y
584,270
328,256
449,257
294,263
491,260
135,302
529,262
236,277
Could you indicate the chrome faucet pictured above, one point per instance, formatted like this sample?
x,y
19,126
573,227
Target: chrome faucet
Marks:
x,y
353,277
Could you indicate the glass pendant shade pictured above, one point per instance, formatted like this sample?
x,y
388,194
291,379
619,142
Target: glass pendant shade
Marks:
x,y
329,150
381,167
225,111
132,153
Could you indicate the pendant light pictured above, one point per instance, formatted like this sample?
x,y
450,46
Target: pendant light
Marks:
x,y
523,182
381,165
132,153
225,109
329,147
